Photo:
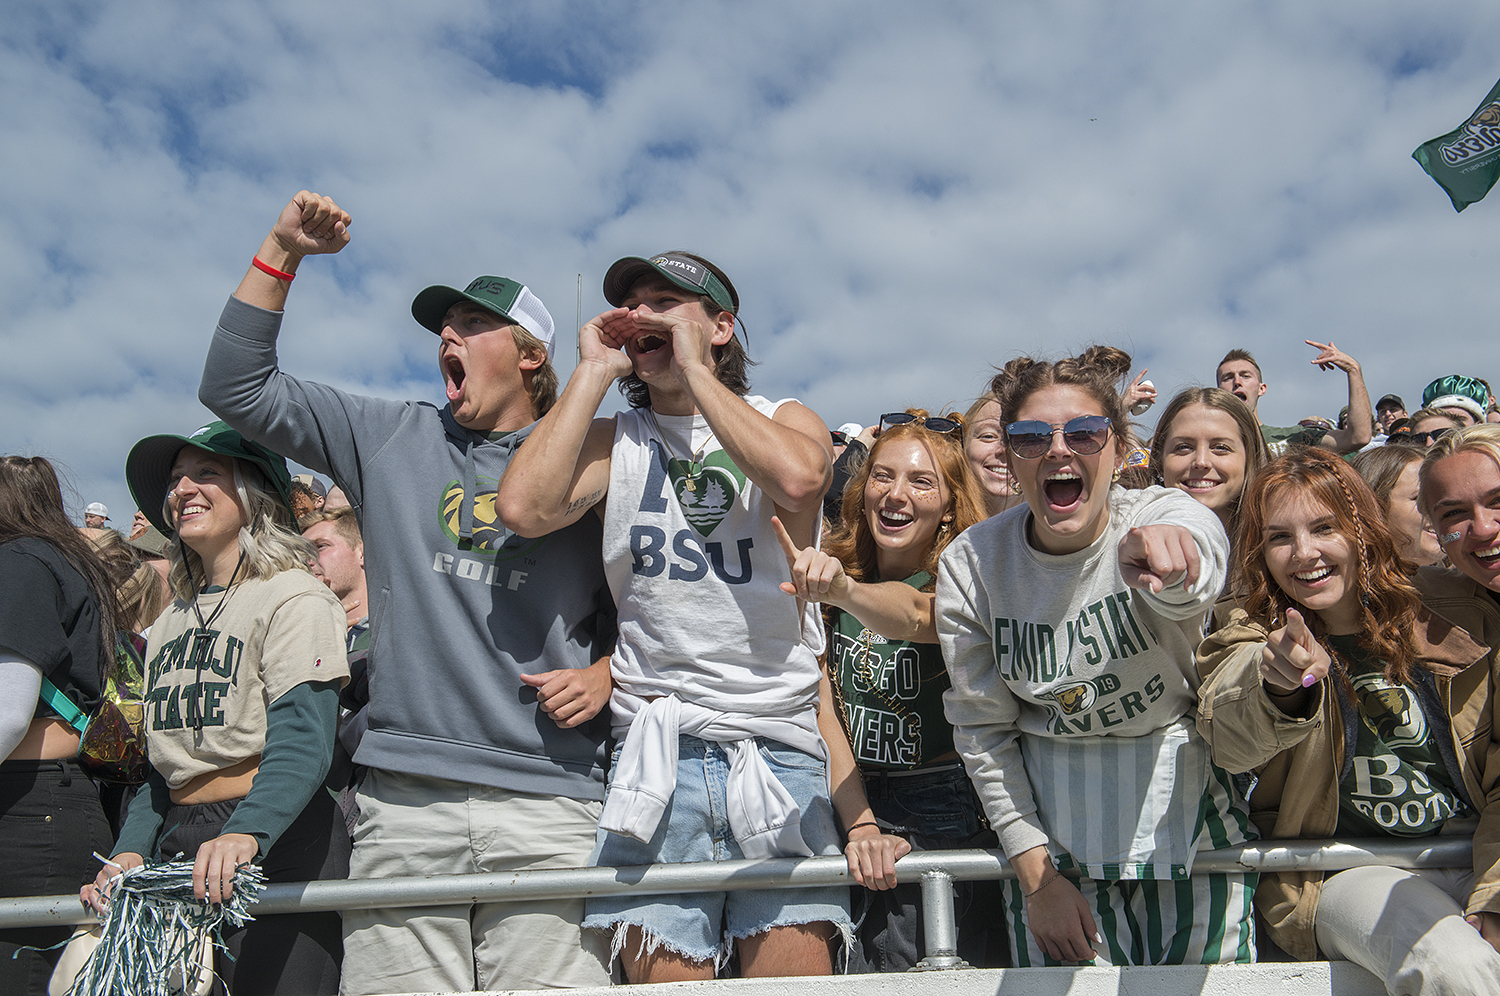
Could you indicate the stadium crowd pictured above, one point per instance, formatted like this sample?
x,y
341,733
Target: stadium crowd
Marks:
x,y
507,633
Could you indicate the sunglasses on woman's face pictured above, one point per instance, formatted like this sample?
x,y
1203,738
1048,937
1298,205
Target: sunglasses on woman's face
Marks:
x,y
1084,435
1428,438
930,422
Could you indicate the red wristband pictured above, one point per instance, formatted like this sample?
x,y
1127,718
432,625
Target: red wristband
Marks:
x,y
268,268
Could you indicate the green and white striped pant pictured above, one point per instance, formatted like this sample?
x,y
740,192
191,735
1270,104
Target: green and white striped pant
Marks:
x,y
1183,920
1202,920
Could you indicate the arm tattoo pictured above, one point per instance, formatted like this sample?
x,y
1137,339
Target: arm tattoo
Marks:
x,y
584,502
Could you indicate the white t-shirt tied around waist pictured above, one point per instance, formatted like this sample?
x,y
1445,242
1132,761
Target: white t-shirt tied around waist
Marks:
x,y
762,814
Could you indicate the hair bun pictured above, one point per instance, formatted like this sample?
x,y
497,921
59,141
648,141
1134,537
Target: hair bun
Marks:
x,y
1108,359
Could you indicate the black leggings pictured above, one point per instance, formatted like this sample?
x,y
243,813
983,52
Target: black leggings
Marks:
x,y
295,953
51,823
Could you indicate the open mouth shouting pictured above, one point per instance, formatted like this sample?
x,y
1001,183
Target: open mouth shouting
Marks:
x,y
453,376
1063,490
648,342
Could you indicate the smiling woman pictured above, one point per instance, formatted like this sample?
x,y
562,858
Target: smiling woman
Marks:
x,y
895,773
1068,625
1391,472
1208,444
243,673
984,442
1460,492
1362,712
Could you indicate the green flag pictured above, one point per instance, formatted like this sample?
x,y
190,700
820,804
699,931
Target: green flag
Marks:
x,y
1466,161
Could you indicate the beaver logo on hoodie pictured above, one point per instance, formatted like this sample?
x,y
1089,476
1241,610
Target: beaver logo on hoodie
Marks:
x,y
490,537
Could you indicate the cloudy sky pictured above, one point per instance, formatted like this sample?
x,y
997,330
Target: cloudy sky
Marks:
x,y
905,194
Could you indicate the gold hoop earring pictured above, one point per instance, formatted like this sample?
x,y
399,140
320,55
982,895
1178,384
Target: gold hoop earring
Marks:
x,y
1015,486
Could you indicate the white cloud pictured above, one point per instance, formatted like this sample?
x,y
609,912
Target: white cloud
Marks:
x,y
904,195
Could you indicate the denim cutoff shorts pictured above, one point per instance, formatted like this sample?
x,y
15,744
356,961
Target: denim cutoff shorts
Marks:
x,y
700,926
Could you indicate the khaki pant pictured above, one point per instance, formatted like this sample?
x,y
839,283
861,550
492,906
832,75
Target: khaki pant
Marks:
x,y
411,825
1407,928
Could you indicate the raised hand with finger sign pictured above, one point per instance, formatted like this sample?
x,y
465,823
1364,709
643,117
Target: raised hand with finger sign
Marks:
x,y
1069,628
1345,695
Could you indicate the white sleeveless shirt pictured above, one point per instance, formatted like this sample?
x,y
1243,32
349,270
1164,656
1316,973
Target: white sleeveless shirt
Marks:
x,y
695,570
709,643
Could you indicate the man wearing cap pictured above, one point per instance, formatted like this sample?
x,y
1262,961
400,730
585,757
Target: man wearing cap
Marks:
x,y
716,689
95,515
488,652
1388,411
1240,375
1465,398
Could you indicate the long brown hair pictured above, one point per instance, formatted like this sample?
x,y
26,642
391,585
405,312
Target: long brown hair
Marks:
x,y
1388,602
31,505
1383,466
1254,443
853,543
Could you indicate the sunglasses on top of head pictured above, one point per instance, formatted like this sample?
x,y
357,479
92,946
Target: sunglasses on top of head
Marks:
x,y
1084,435
933,422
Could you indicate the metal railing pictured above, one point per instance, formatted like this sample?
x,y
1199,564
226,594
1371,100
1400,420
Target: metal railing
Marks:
x,y
936,871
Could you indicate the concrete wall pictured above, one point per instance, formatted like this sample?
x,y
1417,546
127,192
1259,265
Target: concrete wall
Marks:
x,y
1277,979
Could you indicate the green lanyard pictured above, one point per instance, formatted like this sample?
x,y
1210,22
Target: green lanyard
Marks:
x,y
64,706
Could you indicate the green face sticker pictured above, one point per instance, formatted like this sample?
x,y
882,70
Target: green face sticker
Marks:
x,y
706,496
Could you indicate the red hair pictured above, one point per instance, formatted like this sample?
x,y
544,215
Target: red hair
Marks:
x,y
1388,602
853,543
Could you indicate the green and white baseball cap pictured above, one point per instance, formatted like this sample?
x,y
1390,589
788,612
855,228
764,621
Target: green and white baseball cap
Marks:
x,y
502,295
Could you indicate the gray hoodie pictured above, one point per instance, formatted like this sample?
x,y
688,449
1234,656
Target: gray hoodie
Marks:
x,y
460,607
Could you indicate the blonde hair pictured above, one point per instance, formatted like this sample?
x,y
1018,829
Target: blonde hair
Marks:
x,y
268,544
987,398
140,593
344,523
1482,437
1423,414
543,389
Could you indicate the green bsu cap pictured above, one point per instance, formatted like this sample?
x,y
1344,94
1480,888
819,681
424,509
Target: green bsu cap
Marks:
x,y
510,300
148,468
686,271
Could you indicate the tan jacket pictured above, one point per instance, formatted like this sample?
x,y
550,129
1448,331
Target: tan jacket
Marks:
x,y
1298,760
